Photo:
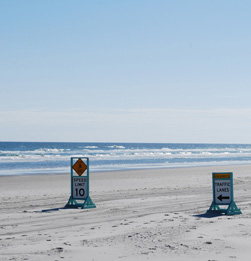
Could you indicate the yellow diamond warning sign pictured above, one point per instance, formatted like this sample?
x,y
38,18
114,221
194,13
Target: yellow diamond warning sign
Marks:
x,y
80,167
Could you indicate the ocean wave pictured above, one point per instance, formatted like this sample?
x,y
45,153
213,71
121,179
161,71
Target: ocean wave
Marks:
x,y
122,154
116,147
117,156
44,150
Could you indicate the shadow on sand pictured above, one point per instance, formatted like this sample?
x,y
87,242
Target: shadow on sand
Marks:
x,y
210,214
57,209
51,210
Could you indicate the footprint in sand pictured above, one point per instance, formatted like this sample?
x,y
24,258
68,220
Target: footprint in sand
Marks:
x,y
58,249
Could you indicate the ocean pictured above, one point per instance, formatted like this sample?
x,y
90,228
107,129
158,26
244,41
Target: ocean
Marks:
x,y
19,158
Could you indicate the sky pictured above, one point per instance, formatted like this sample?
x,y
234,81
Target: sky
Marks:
x,y
125,71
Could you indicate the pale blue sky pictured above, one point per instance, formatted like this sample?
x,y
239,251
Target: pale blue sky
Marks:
x,y
125,71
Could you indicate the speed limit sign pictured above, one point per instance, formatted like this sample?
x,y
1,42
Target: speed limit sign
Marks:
x,y
79,187
80,197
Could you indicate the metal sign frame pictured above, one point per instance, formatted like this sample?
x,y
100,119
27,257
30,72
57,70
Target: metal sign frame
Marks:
x,y
80,191
226,178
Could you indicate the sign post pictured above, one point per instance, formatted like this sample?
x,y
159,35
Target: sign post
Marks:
x,y
80,184
223,194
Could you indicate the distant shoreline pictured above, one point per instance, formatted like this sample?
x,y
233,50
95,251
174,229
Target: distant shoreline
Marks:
x,y
234,166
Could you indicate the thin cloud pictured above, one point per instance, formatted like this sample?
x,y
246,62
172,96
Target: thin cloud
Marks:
x,y
134,125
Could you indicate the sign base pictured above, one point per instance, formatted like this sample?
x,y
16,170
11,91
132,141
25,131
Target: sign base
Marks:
x,y
231,210
72,203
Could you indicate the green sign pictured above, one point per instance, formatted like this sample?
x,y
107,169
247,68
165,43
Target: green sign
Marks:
x,y
80,184
223,194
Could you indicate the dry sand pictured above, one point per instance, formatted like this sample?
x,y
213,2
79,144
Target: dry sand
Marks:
x,y
140,215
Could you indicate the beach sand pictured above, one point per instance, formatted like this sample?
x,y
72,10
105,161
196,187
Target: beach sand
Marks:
x,y
148,214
